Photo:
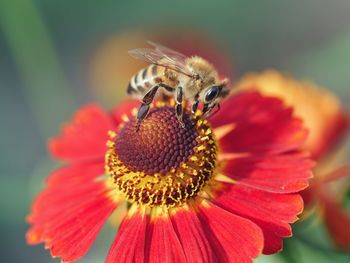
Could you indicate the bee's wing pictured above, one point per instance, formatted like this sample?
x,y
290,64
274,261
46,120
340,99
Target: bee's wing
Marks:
x,y
168,51
162,56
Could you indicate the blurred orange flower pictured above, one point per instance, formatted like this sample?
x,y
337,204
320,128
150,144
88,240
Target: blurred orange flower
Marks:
x,y
327,123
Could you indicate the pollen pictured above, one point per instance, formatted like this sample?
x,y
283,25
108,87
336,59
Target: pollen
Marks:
x,y
159,163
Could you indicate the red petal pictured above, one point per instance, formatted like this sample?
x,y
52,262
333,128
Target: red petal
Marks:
x,y
337,221
162,243
272,212
69,214
286,173
262,124
124,108
232,238
66,186
129,244
194,242
76,173
85,137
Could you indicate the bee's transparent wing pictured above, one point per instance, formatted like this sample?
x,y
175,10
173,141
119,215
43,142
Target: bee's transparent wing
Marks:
x,y
168,51
147,54
162,56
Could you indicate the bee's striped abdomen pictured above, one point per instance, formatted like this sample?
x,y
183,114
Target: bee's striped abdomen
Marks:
x,y
142,81
145,79
135,84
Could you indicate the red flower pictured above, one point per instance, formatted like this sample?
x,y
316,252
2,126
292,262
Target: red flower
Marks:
x,y
219,192
328,124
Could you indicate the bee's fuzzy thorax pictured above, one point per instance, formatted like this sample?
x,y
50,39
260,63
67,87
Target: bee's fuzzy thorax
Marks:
x,y
206,72
203,68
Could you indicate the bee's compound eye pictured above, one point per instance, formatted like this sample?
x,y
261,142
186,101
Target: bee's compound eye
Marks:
x,y
212,93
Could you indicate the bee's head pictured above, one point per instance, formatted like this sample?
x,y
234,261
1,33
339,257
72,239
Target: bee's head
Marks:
x,y
213,94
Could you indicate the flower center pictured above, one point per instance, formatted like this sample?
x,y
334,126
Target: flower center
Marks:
x,y
160,163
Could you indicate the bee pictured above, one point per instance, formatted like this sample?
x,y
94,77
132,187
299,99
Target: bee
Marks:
x,y
173,74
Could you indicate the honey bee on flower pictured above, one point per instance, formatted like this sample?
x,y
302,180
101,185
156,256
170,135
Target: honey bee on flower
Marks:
x,y
171,73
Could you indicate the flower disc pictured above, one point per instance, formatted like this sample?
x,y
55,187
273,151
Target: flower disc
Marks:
x,y
159,163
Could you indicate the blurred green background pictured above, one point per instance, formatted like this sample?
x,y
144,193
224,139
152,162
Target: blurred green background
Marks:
x,y
47,53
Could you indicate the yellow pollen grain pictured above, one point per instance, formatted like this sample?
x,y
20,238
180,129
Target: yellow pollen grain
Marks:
x,y
134,112
201,148
112,134
208,132
125,118
194,158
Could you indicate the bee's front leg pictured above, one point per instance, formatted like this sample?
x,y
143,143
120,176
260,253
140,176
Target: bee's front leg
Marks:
x,y
208,110
146,103
178,107
195,106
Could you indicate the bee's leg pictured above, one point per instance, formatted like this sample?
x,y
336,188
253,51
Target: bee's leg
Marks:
x,y
219,107
149,96
208,110
195,106
143,111
214,112
146,103
178,107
